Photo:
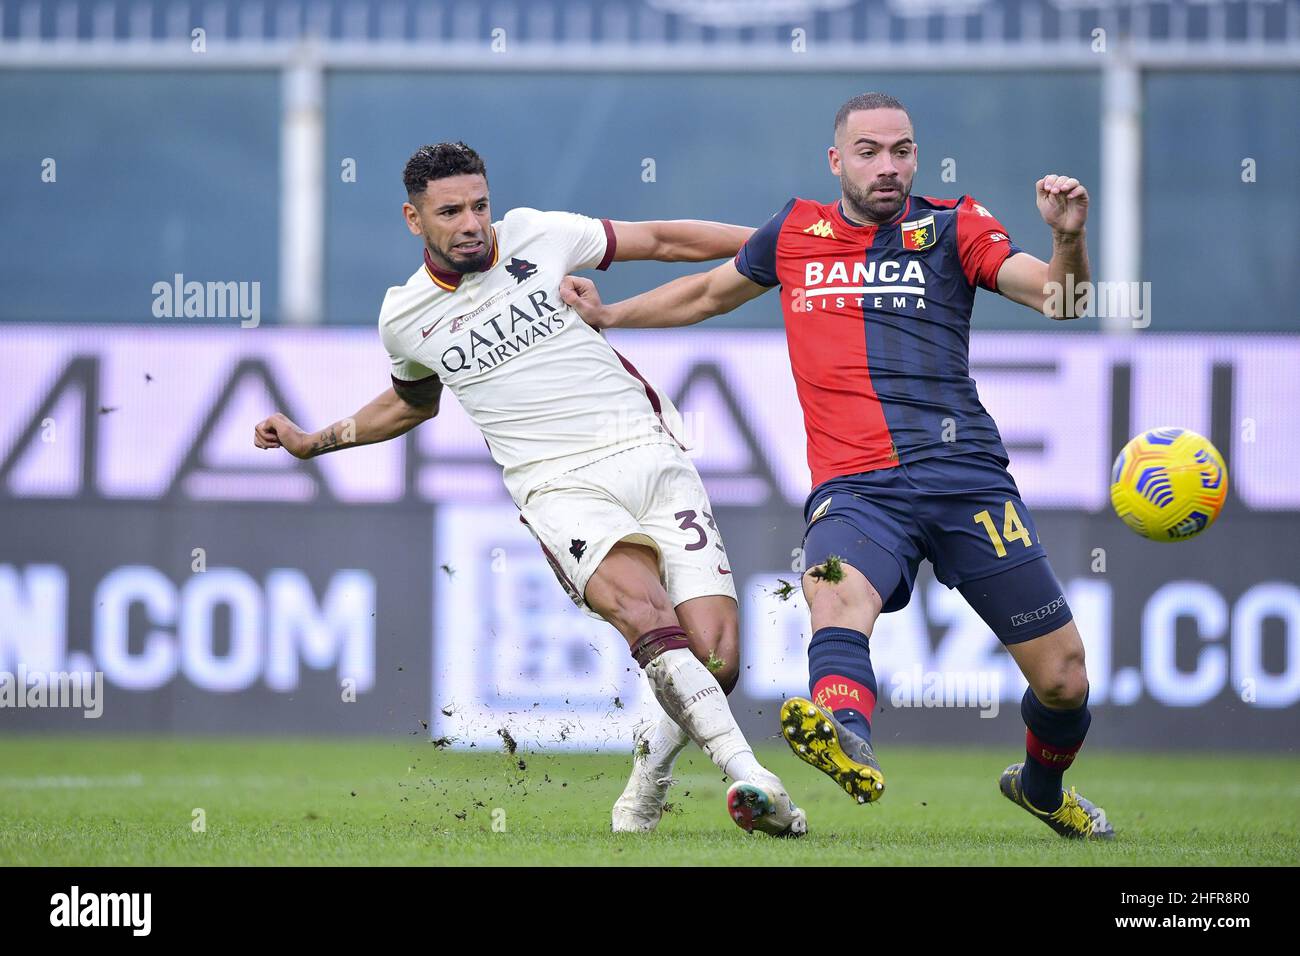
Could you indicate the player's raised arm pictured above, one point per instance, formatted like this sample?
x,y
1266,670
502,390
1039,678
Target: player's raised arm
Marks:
x,y
692,298
394,412
677,240
683,301
1063,204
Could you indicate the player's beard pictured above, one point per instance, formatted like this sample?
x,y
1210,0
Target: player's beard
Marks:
x,y
460,264
865,202
477,264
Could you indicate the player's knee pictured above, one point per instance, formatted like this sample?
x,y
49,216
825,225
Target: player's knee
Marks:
x,y
849,602
716,643
713,628
1066,686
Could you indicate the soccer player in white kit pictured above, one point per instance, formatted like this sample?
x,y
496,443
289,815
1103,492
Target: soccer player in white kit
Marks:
x,y
588,448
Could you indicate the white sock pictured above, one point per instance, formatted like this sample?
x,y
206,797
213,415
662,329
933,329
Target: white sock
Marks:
x,y
664,742
692,697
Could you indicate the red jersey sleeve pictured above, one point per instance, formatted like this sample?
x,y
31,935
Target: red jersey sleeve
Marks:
x,y
982,244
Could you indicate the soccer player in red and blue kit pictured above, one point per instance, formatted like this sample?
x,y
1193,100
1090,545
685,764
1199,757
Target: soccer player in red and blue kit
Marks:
x,y
877,290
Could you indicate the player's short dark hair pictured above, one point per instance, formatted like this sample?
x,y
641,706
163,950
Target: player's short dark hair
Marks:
x,y
867,101
438,161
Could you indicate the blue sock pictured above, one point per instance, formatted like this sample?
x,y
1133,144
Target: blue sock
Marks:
x,y
1052,738
840,677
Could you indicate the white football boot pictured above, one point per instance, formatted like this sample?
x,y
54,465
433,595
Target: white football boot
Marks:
x,y
762,804
641,805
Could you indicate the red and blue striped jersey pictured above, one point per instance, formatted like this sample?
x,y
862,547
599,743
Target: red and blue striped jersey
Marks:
x,y
877,321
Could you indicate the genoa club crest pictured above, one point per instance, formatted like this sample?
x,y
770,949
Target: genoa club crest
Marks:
x,y
918,234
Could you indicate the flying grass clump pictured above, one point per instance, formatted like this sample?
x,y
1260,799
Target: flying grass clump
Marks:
x,y
508,740
832,571
784,590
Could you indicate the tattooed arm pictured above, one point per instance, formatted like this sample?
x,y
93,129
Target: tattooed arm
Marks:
x,y
394,412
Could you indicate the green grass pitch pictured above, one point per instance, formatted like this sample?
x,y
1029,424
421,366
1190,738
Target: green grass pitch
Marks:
x,y
129,801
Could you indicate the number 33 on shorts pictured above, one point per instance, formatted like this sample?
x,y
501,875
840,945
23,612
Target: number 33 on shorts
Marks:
x,y
688,523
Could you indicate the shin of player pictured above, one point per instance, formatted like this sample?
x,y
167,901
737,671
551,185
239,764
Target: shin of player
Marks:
x,y
844,607
626,590
832,730
1055,711
712,631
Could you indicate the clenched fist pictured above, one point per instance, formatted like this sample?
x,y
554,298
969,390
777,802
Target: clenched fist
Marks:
x,y
1063,203
581,295
278,432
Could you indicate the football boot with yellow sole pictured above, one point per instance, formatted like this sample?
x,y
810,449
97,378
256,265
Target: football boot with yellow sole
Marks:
x,y
817,738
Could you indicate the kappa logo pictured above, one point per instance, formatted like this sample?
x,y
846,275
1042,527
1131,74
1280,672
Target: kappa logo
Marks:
x,y
822,229
1038,614
521,269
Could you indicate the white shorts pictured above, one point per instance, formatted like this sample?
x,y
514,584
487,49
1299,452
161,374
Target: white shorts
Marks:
x,y
650,495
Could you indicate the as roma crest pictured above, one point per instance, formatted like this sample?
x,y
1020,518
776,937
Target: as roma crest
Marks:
x,y
918,234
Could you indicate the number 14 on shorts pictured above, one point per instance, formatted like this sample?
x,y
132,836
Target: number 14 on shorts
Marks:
x,y
1013,529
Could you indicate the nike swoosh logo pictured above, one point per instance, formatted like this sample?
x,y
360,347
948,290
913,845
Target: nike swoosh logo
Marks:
x,y
424,333
722,570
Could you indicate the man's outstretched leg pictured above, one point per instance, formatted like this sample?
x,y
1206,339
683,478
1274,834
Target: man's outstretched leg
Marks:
x,y
627,592
1055,705
1055,711
861,549
832,730
713,631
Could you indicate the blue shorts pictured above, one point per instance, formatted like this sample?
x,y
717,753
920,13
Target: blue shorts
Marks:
x,y
965,514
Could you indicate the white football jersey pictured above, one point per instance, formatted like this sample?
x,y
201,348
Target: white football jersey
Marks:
x,y
547,391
